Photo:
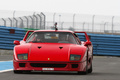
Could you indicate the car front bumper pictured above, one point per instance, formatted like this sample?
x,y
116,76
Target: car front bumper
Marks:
x,y
49,66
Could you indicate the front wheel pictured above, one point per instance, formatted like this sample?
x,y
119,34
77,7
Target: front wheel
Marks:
x,y
90,70
86,69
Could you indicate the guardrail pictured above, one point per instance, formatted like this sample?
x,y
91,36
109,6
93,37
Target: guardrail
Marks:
x,y
104,44
8,35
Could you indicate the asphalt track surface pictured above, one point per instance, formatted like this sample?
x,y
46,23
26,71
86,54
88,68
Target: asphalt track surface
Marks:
x,y
104,68
6,57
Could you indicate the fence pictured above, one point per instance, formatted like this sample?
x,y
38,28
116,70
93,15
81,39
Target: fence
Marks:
x,y
84,22
21,19
103,44
44,20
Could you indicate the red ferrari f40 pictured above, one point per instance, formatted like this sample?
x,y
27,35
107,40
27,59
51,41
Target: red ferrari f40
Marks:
x,y
53,50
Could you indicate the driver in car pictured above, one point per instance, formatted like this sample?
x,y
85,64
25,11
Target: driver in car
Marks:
x,y
39,38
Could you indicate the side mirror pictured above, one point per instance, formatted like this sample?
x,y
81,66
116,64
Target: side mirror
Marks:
x,y
87,43
17,42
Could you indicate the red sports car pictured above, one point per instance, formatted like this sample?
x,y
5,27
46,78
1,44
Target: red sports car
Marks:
x,y
53,50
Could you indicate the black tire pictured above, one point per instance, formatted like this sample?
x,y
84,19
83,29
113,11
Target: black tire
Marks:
x,y
85,72
91,69
17,71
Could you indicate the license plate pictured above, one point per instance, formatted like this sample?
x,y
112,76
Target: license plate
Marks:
x,y
48,69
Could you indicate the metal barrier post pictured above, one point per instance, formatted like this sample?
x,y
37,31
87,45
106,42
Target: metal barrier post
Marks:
x,y
32,21
73,20
21,21
62,25
93,23
4,21
16,21
36,21
112,24
10,22
104,26
40,20
54,18
44,20
13,18
27,20
83,25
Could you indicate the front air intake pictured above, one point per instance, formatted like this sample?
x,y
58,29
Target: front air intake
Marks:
x,y
74,65
48,65
22,64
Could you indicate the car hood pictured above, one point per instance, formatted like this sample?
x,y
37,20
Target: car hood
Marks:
x,y
50,52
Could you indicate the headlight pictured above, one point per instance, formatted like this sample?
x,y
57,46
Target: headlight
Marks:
x,y
22,56
75,57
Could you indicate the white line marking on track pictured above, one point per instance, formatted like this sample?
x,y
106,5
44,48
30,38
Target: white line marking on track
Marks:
x,y
6,70
5,61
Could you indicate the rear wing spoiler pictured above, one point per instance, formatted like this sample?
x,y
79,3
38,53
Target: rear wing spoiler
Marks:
x,y
87,37
26,35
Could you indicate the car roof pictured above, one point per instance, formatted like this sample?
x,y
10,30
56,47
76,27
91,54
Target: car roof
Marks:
x,y
53,31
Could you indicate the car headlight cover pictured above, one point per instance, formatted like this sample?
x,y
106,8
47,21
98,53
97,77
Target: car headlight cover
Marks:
x,y
74,57
22,56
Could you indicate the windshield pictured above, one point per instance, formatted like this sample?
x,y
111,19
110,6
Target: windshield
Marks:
x,y
52,37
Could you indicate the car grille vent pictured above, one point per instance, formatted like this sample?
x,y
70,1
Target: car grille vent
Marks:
x,y
22,64
47,65
74,65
